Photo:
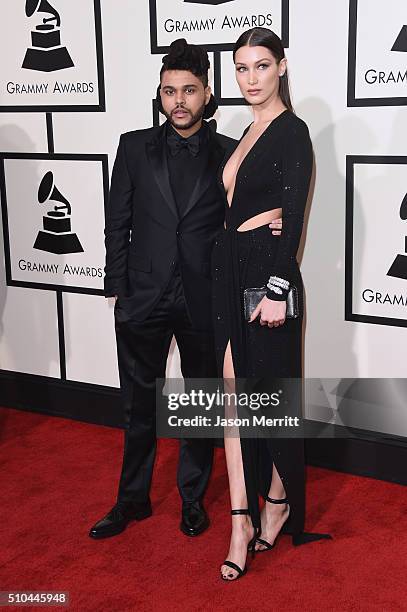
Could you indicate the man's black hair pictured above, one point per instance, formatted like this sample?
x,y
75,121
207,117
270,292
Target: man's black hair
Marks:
x,y
194,58
183,56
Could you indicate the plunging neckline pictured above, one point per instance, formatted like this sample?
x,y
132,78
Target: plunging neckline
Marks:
x,y
247,155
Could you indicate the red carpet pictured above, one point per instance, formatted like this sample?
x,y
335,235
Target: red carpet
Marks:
x,y
60,476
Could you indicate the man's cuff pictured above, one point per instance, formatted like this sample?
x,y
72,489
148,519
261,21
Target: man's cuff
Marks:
x,y
113,288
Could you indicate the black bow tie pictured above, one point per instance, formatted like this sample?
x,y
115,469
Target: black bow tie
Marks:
x,y
176,143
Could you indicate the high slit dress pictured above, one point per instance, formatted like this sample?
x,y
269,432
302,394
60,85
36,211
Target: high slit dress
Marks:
x,y
275,173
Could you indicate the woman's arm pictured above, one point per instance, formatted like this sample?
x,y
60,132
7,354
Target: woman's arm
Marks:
x,y
296,176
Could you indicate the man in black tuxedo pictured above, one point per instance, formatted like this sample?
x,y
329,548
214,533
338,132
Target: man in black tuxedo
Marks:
x,y
164,210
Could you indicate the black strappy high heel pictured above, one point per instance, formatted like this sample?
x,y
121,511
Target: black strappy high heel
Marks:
x,y
250,547
267,545
298,538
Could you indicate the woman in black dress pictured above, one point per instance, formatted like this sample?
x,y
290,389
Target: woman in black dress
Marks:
x,y
267,176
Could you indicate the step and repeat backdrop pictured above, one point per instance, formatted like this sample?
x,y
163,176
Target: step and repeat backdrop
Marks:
x,y
76,74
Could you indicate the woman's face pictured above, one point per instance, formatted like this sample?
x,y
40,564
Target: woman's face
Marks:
x,y
258,73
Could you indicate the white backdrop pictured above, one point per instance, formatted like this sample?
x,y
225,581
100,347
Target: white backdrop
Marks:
x,y
344,120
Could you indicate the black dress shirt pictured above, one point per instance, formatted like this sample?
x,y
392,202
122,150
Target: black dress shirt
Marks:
x,y
186,162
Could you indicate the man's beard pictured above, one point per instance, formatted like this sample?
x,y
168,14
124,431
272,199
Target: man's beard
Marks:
x,y
193,121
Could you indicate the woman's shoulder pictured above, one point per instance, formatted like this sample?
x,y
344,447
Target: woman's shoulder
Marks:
x,y
295,125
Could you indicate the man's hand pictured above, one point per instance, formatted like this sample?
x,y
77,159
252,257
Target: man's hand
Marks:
x,y
276,226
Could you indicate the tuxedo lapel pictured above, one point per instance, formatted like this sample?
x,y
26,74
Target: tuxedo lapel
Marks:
x,y
216,154
157,156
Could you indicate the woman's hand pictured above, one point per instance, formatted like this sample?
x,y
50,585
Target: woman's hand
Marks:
x,y
276,226
272,312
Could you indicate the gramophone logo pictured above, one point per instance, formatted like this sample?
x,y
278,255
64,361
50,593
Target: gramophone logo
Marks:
x,y
46,53
56,235
401,41
376,266
398,269
53,220
377,67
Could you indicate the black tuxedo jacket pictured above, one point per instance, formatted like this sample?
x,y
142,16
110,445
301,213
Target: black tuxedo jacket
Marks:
x,y
144,235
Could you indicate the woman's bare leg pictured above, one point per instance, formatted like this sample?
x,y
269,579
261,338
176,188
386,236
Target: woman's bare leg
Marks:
x,y
273,516
242,530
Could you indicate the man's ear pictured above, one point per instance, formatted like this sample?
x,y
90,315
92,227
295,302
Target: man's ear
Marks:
x,y
208,93
211,106
158,99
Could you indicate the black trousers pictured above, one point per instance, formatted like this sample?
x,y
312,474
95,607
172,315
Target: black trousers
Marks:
x,y
142,354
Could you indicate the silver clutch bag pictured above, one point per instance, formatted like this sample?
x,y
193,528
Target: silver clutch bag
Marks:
x,y
253,295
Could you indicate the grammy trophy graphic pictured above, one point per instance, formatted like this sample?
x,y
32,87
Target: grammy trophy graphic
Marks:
x,y
401,41
46,53
56,235
398,269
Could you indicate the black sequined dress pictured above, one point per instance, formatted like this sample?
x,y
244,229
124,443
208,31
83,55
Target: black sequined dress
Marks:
x,y
275,173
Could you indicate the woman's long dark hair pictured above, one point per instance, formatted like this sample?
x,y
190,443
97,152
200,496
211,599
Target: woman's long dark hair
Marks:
x,y
263,37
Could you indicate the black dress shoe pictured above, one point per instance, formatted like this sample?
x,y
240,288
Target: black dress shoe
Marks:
x,y
194,518
118,518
